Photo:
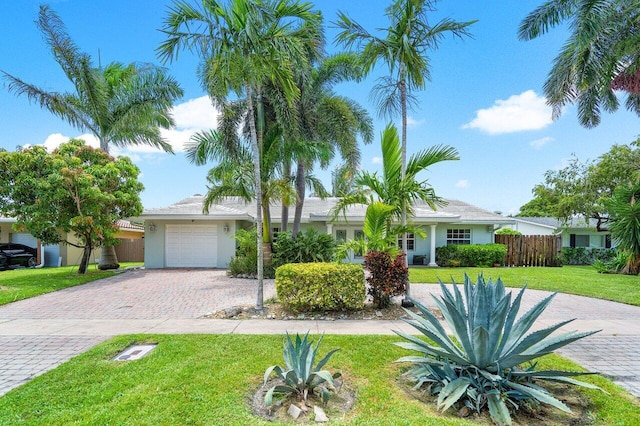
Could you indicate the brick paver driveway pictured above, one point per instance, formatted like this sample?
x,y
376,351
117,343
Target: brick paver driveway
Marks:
x,y
40,333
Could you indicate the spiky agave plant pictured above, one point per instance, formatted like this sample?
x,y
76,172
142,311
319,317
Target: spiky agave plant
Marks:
x,y
481,364
300,375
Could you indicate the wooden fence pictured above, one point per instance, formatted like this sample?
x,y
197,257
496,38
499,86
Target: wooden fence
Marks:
x,y
532,250
130,250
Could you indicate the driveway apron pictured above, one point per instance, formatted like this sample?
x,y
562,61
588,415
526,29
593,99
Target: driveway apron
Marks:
x,y
40,333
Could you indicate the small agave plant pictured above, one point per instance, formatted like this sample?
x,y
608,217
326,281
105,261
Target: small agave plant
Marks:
x,y
301,376
481,365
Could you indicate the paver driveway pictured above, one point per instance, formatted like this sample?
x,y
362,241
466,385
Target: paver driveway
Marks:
x,y
40,333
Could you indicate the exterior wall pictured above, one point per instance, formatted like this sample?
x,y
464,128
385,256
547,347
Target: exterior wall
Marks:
x,y
5,231
596,239
479,233
531,228
154,242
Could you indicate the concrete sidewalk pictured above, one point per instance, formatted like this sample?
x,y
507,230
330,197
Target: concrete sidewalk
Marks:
x,y
38,334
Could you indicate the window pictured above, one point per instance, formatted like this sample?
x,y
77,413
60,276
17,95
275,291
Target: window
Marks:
x,y
458,236
358,234
578,240
411,241
275,231
341,235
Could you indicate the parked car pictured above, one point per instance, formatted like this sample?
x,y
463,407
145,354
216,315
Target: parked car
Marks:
x,y
12,255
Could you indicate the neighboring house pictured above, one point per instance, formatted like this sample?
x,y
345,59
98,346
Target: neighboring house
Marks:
x,y
181,236
575,232
65,254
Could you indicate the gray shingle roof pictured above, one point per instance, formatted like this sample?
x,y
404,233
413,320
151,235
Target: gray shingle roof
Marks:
x,y
573,222
316,209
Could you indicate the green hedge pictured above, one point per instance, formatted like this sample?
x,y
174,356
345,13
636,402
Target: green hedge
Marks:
x,y
586,256
467,255
306,287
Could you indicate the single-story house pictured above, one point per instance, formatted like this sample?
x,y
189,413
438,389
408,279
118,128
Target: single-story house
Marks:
x,y
182,236
64,254
576,232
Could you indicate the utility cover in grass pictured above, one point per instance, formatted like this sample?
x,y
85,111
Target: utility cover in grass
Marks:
x,y
134,352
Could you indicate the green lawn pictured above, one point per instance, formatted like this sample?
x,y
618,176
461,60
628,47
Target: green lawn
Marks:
x,y
581,280
201,380
21,284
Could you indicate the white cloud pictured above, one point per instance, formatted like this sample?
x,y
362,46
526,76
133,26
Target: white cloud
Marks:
x,y
412,122
526,111
539,143
54,140
376,160
462,183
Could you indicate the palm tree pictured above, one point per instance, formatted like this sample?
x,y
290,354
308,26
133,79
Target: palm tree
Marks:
x,y
243,45
624,208
120,105
600,56
393,189
327,122
404,50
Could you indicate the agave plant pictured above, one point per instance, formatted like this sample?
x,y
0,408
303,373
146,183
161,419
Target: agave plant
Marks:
x,y
482,363
300,375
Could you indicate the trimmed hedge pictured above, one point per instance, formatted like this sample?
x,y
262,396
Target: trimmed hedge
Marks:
x,y
306,287
483,255
586,256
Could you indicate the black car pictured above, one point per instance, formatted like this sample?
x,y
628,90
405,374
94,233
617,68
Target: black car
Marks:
x,y
12,255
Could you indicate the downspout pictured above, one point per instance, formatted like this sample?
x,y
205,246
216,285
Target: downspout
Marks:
x,y
41,256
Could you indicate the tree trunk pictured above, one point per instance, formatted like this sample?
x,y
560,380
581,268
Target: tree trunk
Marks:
x,y
84,262
300,189
257,176
108,258
403,173
284,221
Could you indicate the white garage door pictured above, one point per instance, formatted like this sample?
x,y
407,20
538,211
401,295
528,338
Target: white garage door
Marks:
x,y
24,238
191,246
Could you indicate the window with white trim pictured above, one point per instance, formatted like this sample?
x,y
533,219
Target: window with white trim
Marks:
x,y
341,235
458,236
411,241
358,234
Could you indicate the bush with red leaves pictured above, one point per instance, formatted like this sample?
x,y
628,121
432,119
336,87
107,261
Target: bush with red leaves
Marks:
x,y
387,278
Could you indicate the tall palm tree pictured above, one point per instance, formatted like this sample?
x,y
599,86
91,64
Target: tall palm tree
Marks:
x,y
404,50
327,122
121,105
600,56
393,189
243,44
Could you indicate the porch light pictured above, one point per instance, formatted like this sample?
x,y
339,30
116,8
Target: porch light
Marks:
x,y
225,228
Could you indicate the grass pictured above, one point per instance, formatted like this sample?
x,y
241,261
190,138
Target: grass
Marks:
x,y
580,280
201,380
21,284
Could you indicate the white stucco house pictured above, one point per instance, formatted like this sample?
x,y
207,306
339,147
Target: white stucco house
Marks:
x,y
576,232
181,236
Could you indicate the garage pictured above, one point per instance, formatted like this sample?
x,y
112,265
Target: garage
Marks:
x,y
24,238
191,246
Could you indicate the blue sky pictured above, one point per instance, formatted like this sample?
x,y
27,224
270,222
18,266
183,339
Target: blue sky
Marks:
x,y
485,97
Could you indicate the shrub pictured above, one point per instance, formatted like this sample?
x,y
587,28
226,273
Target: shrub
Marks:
x,y
586,256
471,255
308,246
304,287
507,231
387,278
481,365
245,262
301,377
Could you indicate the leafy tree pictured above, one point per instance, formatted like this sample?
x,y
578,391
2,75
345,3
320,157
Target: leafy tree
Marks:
x,y
76,189
584,188
625,224
600,56
242,45
404,48
121,105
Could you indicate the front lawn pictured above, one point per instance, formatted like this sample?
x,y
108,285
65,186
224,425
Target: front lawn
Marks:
x,y
21,284
209,379
580,280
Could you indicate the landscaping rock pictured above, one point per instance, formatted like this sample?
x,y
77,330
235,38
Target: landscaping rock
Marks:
x,y
294,411
320,415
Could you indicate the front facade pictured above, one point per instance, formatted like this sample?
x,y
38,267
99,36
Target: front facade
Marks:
x,y
182,236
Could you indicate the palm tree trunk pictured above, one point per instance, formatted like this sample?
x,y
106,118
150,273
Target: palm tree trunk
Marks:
x,y
284,221
258,181
403,173
108,258
300,189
